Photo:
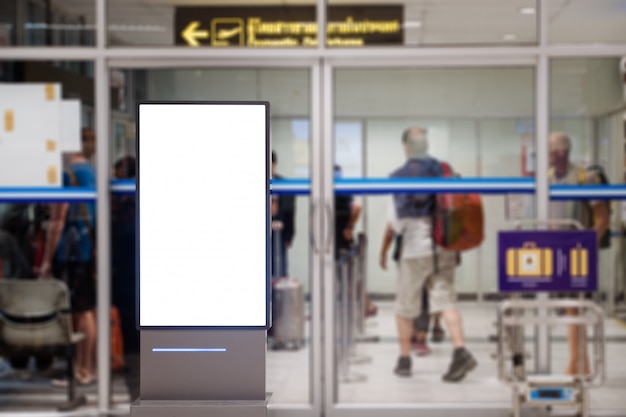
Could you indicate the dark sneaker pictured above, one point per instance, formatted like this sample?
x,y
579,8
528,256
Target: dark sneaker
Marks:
x,y
403,368
438,335
462,363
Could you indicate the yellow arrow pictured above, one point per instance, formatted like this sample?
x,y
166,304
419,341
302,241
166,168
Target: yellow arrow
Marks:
x,y
191,35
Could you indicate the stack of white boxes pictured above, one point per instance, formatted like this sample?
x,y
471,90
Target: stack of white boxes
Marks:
x,y
36,127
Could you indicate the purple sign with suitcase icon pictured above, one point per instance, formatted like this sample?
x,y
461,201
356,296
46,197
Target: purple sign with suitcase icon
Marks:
x,y
547,260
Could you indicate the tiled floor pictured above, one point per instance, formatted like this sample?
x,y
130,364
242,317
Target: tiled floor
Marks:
x,y
285,369
288,372
30,391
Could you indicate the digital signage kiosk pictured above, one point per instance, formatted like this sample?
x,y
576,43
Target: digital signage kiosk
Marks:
x,y
202,257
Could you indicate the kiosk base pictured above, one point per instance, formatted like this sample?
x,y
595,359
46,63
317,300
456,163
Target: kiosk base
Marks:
x,y
202,365
160,408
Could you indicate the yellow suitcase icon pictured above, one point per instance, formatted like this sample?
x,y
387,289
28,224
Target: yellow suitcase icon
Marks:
x,y
578,261
9,120
529,261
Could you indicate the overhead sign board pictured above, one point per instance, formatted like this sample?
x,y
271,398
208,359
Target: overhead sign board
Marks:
x,y
287,26
547,260
203,214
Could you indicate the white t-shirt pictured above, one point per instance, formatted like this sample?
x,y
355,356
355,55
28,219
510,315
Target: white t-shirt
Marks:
x,y
564,209
568,209
416,233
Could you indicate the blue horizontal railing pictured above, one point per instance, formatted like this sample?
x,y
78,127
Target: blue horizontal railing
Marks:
x,y
46,194
589,192
123,186
365,186
434,185
290,187
373,186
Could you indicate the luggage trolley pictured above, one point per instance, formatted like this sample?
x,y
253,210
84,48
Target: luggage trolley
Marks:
x,y
542,261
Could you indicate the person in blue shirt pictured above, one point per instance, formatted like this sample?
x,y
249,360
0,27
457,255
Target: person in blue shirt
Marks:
x,y
69,254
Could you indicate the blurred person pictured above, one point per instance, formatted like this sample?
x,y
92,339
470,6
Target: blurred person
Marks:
x,y
13,262
593,215
69,255
124,167
421,323
283,216
347,213
25,223
123,288
283,210
410,215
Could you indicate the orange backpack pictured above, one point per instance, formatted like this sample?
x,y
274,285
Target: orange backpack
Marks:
x,y
458,220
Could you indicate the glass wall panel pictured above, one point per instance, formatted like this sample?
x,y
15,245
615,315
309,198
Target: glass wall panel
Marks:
x,y
583,89
507,149
213,23
478,120
604,21
426,23
47,23
586,101
288,91
46,143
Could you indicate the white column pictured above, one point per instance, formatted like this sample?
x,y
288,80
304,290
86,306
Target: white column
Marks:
x,y
103,224
542,124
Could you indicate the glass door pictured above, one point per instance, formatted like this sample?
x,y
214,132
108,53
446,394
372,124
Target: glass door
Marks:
x,y
293,353
474,118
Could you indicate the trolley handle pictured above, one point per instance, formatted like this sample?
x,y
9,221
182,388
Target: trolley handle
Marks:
x,y
554,222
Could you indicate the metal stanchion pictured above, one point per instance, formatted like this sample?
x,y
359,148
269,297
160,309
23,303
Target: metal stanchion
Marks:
x,y
361,267
516,338
356,305
345,309
582,355
361,285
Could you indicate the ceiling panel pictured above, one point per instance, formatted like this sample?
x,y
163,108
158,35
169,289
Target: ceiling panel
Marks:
x,y
442,21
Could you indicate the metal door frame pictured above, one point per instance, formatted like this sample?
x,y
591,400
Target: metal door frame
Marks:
x,y
321,62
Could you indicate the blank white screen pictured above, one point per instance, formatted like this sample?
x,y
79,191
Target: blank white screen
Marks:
x,y
202,214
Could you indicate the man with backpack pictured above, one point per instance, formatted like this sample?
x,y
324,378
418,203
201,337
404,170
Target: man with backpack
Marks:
x,y
421,262
593,214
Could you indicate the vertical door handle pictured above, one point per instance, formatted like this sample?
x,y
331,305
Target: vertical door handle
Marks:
x,y
331,227
312,210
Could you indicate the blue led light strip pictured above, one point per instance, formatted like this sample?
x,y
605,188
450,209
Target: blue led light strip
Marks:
x,y
189,349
